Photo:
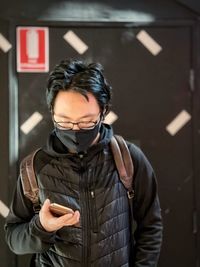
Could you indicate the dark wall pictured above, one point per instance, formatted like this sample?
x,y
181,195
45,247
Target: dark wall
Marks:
x,y
193,5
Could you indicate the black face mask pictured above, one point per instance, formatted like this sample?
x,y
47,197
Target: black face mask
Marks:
x,y
77,141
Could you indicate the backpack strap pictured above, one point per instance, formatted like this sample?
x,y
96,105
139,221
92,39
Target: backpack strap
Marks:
x,y
123,163
124,166
28,180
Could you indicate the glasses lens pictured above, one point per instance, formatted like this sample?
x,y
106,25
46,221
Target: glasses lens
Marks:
x,y
85,125
65,125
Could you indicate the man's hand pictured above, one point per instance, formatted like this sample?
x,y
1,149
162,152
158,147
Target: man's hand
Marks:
x,y
51,223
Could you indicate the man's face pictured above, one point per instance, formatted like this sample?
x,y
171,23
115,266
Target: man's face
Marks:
x,y
71,106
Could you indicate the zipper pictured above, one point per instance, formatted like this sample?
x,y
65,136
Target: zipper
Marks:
x,y
93,217
92,194
85,214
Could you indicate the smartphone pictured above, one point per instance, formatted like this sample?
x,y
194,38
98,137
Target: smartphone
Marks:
x,y
60,210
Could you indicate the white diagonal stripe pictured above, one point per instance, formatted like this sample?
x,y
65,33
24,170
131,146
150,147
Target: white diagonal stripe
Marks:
x,y
179,121
111,118
4,210
4,44
32,121
75,42
149,42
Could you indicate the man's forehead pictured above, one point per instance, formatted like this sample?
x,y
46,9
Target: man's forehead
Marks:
x,y
66,116
74,106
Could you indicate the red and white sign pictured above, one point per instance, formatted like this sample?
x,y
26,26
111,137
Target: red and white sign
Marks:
x,y
32,49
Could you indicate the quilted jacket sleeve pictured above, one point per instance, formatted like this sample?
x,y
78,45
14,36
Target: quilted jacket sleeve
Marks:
x,y
24,233
147,212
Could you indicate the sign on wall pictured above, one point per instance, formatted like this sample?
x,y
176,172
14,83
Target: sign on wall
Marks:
x,y
32,49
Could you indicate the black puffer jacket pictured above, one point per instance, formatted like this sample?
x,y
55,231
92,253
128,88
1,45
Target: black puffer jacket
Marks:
x,y
91,185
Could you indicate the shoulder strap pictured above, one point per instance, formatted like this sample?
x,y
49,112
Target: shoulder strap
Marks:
x,y
123,163
28,179
125,169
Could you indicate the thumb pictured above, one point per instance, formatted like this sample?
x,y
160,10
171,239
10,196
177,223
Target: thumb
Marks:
x,y
46,204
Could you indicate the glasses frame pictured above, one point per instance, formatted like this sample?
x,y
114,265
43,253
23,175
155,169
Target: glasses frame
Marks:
x,y
56,123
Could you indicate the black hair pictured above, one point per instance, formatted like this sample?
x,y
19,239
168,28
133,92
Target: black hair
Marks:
x,y
84,78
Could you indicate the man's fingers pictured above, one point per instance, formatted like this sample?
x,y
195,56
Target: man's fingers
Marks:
x,y
69,219
63,220
77,214
74,219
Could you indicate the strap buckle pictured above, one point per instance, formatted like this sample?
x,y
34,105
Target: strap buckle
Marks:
x,y
130,194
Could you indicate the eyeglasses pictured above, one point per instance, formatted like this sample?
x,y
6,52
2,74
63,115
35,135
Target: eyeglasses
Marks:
x,y
82,125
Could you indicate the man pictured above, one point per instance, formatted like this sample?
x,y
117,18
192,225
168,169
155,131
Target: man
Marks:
x,y
77,169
